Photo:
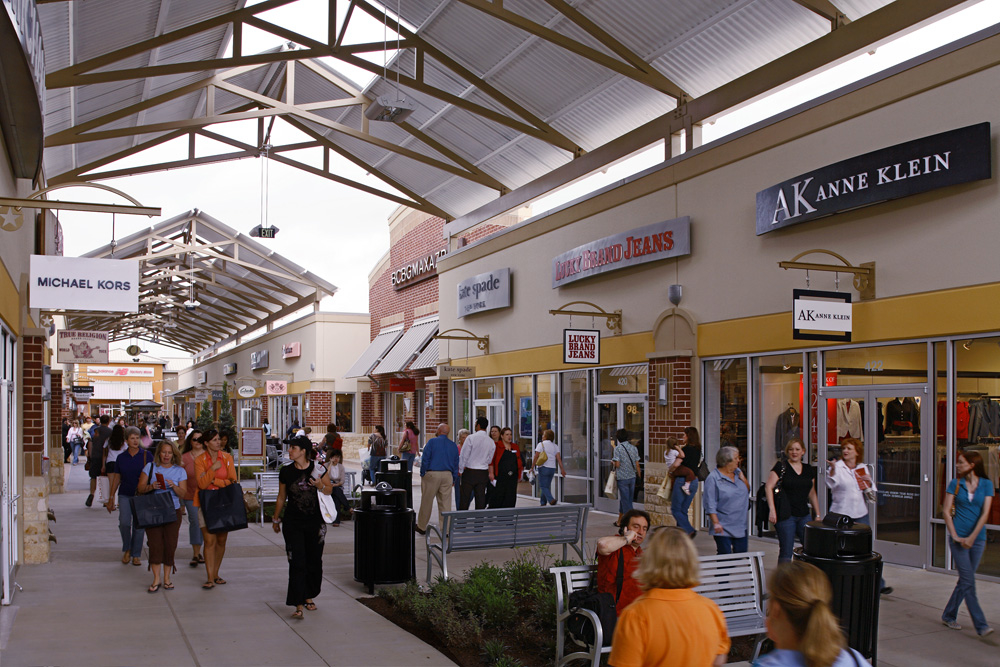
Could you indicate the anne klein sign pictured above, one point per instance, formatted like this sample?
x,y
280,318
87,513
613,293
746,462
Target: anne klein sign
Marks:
x,y
651,243
821,315
937,161
417,270
487,291
581,346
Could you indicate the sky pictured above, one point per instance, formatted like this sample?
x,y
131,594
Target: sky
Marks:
x,y
339,233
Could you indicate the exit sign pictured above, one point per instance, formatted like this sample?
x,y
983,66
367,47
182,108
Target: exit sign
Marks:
x,y
267,232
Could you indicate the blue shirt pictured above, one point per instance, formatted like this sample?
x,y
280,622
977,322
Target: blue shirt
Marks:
x,y
729,500
967,513
440,454
130,468
175,473
787,658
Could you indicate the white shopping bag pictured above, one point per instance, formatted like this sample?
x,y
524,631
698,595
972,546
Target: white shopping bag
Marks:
x,y
103,490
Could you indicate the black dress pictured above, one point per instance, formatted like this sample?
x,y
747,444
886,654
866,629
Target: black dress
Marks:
x,y
505,492
304,533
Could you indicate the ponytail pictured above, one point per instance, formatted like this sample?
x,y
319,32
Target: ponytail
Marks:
x,y
803,593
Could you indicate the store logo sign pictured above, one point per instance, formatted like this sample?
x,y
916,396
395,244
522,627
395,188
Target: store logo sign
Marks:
x,y
258,360
581,346
276,387
228,369
246,391
937,161
69,283
74,347
418,270
822,315
291,350
487,291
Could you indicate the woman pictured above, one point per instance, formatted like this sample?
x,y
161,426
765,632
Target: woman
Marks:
x,y
801,624
129,465
727,496
302,525
463,433
164,475
680,501
75,440
193,448
508,469
547,470
846,478
793,482
213,470
409,445
376,452
970,495
332,439
115,446
626,462
669,624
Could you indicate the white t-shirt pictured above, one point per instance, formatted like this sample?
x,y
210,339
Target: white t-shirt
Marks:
x,y
670,457
113,454
551,449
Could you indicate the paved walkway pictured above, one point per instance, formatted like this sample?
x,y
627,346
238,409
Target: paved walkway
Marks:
x,y
76,609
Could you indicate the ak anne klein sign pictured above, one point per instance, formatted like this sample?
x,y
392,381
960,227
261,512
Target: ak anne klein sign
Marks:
x,y
821,315
651,243
418,270
937,161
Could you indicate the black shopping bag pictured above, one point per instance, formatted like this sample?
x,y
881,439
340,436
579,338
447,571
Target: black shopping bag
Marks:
x,y
223,509
153,509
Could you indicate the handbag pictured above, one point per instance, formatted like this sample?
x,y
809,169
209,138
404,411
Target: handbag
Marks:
x,y
223,508
542,458
702,471
250,501
611,487
327,507
662,491
152,509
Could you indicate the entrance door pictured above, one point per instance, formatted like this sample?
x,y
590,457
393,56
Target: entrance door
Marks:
x,y
895,433
612,413
491,409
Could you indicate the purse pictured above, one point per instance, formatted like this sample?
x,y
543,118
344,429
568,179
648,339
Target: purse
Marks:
x,y
223,508
150,510
327,508
542,458
611,488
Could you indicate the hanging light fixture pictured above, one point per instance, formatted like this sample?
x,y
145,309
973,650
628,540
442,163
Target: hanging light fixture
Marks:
x,y
384,108
263,231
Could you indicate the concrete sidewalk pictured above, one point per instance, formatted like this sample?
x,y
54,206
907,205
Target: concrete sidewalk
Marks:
x,y
76,609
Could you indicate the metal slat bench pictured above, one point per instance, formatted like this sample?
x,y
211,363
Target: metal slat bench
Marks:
x,y
266,490
735,582
475,530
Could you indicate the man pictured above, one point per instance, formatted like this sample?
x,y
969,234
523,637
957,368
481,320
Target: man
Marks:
x,y
67,448
625,545
475,465
96,455
438,476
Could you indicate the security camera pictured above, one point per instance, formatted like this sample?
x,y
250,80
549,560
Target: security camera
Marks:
x,y
135,360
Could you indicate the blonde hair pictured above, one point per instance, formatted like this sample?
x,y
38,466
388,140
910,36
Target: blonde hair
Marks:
x,y
803,592
792,441
173,446
673,443
669,560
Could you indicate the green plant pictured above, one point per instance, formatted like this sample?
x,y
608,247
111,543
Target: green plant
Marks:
x,y
227,425
494,650
205,418
507,661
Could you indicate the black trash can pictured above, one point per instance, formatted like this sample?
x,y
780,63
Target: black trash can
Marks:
x,y
394,472
843,550
384,546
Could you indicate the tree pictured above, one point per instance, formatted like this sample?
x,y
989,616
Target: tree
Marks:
x,y
227,425
205,420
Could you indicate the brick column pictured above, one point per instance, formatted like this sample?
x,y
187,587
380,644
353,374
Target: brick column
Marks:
x,y
320,410
57,466
35,492
664,422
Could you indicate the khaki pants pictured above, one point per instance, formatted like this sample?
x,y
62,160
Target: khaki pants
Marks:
x,y
434,484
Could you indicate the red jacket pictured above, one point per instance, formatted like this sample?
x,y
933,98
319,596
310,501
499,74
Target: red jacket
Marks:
x,y
500,450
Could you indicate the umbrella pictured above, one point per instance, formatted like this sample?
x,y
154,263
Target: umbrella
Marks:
x,y
144,405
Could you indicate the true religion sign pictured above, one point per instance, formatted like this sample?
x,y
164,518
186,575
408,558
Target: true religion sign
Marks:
x,y
937,161
581,346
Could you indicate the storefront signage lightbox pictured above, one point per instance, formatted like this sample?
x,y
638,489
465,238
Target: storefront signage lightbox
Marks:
x,y
73,282
402,384
661,240
814,311
258,360
445,372
581,346
229,369
201,396
120,371
418,270
218,395
77,347
202,377
276,388
937,161
83,393
487,291
291,350
246,391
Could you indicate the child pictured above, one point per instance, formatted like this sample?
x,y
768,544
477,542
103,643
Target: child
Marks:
x,y
336,467
674,458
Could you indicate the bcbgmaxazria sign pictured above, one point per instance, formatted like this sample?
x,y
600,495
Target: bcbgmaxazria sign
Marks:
x,y
660,240
949,158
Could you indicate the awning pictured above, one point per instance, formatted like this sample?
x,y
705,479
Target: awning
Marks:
x,y
375,351
399,357
174,394
428,358
122,391
625,371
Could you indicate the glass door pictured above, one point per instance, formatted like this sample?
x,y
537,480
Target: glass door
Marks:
x,y
613,413
492,410
889,424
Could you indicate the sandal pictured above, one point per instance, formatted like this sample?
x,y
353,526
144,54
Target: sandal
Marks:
x,y
220,581
168,587
311,606
297,615
126,557
153,588
201,559
208,585
136,562
194,562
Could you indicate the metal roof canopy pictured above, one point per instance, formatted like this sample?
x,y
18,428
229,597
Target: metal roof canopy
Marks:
x,y
240,284
524,95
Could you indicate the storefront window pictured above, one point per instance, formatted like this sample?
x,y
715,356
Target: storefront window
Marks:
x,y
886,364
726,408
623,380
522,414
941,471
460,407
344,413
573,435
490,388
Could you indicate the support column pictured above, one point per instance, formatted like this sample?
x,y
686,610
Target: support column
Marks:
x,y
35,489
665,421
57,464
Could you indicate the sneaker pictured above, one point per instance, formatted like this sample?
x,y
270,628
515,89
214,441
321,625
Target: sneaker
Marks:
x,y
986,632
886,591
90,500
686,488
952,625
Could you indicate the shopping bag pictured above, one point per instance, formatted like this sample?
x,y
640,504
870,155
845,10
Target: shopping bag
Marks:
x,y
223,508
327,507
611,488
103,490
664,490
153,509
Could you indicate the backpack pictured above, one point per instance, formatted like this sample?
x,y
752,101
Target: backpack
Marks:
x,y
579,626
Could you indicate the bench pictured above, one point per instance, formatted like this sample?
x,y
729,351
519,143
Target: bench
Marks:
x,y
735,582
475,530
266,490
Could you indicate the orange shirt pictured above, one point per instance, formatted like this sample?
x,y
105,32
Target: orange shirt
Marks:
x,y
669,627
214,479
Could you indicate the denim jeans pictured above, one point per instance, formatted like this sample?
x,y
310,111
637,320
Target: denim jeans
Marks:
x,y
730,545
868,522
131,536
194,530
680,502
76,454
626,489
374,465
788,530
408,457
545,476
966,561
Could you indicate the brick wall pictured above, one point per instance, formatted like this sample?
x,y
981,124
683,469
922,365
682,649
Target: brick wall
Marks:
x,y
35,491
320,410
57,409
664,422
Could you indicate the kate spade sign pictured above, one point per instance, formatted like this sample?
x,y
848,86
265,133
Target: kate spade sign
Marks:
x,y
937,161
